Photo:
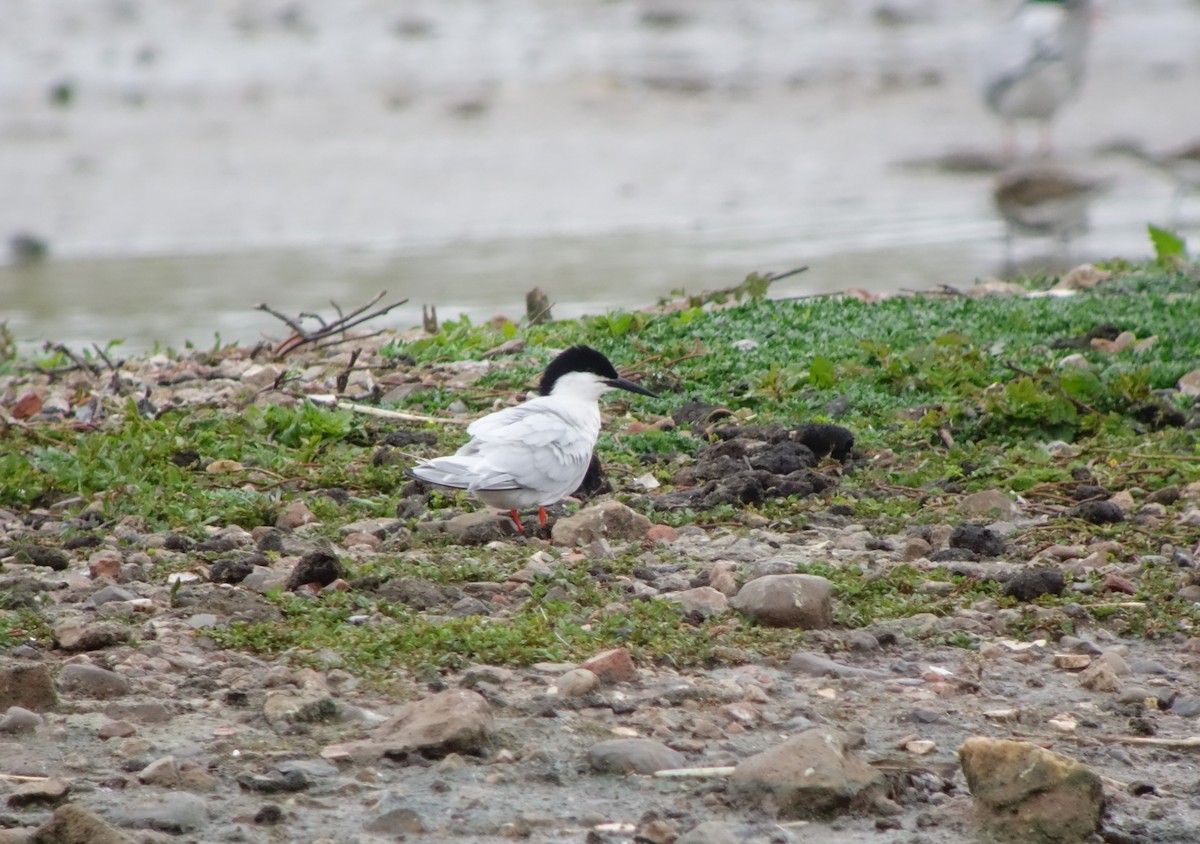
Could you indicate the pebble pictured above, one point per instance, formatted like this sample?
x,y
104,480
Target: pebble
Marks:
x,y
17,719
92,681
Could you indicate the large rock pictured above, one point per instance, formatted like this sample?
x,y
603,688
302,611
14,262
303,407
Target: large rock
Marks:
x,y
73,824
79,635
787,600
608,520
812,774
633,756
1024,793
454,721
92,681
27,685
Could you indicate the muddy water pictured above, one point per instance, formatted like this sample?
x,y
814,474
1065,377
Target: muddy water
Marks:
x,y
217,155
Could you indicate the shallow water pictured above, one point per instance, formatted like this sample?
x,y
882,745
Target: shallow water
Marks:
x,y
217,155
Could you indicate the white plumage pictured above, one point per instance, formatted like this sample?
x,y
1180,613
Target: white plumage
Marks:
x,y
538,452
1035,63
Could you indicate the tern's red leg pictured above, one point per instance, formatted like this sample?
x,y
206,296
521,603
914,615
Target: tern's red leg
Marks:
x,y
542,516
516,517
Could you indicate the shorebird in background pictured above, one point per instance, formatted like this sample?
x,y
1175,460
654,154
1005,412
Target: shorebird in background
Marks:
x,y
1035,64
538,452
1044,201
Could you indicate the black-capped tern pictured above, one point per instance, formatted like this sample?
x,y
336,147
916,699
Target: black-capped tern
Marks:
x,y
537,452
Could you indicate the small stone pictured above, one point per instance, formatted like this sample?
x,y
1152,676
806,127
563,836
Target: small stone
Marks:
x,y
613,666
80,635
295,514
661,533
1113,582
1031,794
990,504
608,520
73,824
115,729
633,756
1033,583
811,774
27,685
230,571
577,682
981,540
47,792
1099,512
320,567
915,548
1189,384
1071,662
143,712
44,556
802,601
709,832
457,720
163,772
397,822
703,601
655,832
92,681
20,720
175,812
480,527
276,783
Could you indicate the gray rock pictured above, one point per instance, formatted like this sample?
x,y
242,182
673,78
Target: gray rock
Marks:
x,y
176,812
813,774
480,527
633,756
1185,707
315,768
709,832
395,818
109,594
163,772
816,665
145,712
92,681
803,601
608,520
987,504
1029,794
456,720
703,601
27,685
73,824
577,682
80,635
20,720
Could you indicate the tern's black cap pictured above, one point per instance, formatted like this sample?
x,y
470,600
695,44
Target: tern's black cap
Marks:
x,y
576,359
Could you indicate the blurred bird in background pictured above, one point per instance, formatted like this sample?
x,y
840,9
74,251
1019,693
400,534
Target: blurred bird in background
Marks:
x,y
1045,201
1035,64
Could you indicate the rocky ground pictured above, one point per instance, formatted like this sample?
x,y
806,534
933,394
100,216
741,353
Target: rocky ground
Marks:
x,y
126,718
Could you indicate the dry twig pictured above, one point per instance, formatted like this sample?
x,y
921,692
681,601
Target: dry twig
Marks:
x,y
301,336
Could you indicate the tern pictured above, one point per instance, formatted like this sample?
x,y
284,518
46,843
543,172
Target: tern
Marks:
x,y
537,452
1035,63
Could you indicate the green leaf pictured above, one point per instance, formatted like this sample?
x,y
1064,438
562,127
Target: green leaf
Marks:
x,y
822,371
1168,246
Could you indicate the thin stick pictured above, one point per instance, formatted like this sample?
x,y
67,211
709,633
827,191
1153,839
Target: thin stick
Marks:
x,y
1189,743
22,778
681,773
327,400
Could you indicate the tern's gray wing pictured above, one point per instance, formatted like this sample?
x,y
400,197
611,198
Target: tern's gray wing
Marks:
x,y
531,446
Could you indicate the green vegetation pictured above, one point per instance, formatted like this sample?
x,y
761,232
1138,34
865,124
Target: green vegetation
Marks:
x,y
946,395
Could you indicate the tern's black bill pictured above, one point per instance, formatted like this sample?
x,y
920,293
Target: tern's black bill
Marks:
x,y
624,384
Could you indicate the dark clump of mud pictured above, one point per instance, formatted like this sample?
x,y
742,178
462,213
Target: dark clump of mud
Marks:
x,y
750,464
